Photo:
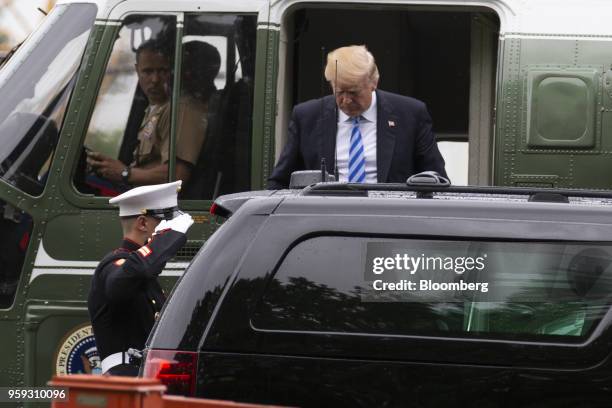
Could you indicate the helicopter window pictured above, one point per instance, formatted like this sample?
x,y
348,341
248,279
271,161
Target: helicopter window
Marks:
x,y
16,227
218,67
35,85
130,126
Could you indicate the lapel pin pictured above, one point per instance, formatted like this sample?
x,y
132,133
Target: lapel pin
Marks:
x,y
391,123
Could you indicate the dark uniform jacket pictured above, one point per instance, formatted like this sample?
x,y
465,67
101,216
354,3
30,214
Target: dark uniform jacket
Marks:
x,y
125,295
405,143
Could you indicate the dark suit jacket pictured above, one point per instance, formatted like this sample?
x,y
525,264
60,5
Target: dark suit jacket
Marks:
x,y
405,144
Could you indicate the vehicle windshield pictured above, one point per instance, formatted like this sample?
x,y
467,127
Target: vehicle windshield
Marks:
x,y
35,86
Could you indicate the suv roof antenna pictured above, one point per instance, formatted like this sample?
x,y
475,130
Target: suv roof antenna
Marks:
x,y
336,175
323,165
323,170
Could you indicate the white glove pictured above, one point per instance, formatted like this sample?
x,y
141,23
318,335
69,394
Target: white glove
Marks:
x,y
163,225
180,223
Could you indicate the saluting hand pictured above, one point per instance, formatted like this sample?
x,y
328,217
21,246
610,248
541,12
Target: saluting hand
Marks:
x,y
180,223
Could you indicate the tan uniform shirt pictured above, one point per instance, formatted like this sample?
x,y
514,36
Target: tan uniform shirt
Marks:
x,y
154,135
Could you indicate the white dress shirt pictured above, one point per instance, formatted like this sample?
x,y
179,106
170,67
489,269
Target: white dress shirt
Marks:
x,y
367,127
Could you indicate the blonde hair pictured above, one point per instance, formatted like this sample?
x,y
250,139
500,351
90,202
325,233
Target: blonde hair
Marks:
x,y
354,64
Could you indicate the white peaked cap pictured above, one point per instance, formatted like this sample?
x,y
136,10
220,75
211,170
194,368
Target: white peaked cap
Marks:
x,y
140,199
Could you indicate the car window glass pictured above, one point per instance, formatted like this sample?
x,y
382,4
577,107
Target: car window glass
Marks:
x,y
535,291
130,124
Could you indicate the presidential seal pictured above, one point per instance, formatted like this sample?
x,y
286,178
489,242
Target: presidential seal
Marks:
x,y
77,353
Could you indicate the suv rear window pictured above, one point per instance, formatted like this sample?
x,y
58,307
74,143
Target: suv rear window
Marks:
x,y
536,291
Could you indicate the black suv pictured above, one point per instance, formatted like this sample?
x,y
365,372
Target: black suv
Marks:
x,y
395,295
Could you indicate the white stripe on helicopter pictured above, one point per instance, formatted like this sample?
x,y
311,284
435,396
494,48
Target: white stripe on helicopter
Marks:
x,y
44,264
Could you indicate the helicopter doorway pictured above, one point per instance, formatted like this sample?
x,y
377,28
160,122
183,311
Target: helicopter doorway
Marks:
x,y
446,57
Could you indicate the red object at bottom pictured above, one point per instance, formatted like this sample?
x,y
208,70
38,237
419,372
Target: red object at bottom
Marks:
x,y
86,391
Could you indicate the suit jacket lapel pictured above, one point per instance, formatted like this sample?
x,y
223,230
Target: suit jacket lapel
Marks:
x,y
327,126
386,131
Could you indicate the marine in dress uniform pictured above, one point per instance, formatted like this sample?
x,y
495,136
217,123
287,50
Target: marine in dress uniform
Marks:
x,y
125,297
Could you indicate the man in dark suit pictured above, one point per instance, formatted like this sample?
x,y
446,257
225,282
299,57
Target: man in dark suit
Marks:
x,y
368,134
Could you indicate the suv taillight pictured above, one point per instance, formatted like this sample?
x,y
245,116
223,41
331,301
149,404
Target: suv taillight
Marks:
x,y
219,211
175,369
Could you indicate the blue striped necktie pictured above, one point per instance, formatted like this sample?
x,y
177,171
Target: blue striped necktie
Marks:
x,y
356,167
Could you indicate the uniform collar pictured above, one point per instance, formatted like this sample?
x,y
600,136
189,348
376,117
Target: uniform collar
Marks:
x,y
129,245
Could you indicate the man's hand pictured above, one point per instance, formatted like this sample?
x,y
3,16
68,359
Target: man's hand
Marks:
x,y
105,166
180,223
